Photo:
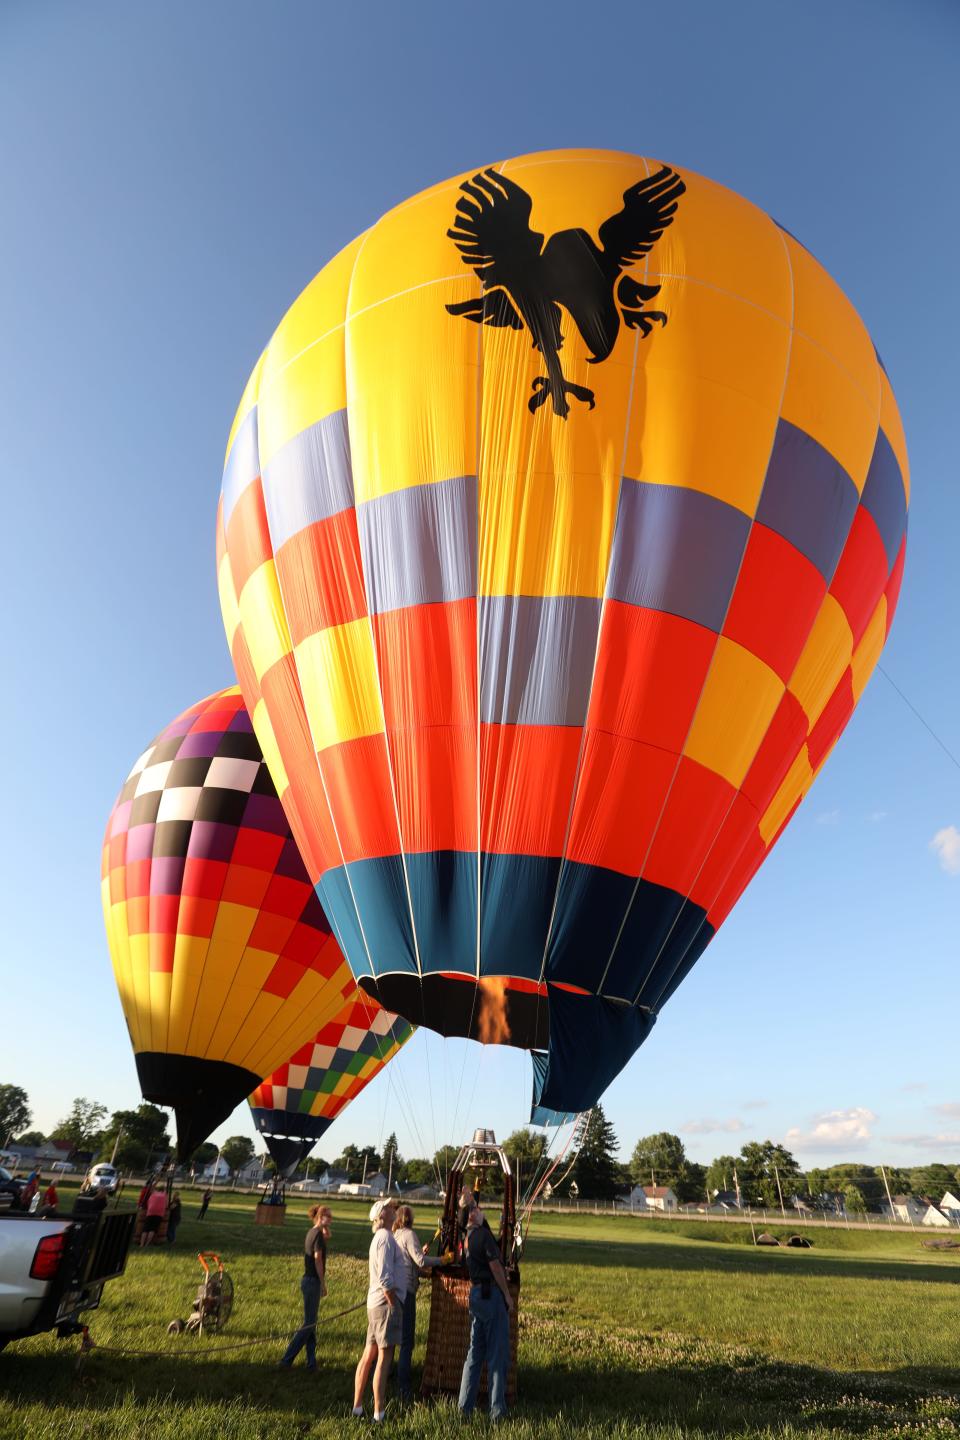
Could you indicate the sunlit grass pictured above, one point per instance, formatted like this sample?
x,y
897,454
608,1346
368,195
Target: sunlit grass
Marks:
x,y
628,1327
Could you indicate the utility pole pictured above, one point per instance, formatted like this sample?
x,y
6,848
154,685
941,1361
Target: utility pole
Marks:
x,y
886,1186
776,1172
116,1145
390,1171
736,1186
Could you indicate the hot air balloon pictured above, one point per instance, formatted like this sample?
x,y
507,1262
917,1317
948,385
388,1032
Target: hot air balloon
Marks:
x,y
299,1102
562,524
223,957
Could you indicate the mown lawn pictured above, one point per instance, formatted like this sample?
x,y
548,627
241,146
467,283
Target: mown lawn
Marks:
x,y
628,1327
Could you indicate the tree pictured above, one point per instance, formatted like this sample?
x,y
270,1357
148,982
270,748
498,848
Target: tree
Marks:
x,y
349,1160
853,1200
392,1161
15,1114
369,1162
205,1154
661,1160
138,1135
237,1151
525,1149
419,1172
595,1170
31,1137
720,1174
445,1159
932,1180
764,1171
82,1126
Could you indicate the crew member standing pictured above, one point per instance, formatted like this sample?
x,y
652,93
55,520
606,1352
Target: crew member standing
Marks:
x,y
313,1286
491,1305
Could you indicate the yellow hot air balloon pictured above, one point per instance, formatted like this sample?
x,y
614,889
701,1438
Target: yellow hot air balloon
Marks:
x,y
224,959
563,522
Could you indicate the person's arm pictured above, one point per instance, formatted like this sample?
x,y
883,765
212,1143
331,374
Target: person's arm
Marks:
x,y
320,1265
500,1275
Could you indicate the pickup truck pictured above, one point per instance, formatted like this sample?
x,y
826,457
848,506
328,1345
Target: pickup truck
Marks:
x,y
53,1268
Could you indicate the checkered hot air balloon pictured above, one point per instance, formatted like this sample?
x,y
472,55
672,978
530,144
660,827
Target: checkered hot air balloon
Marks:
x,y
299,1102
223,957
563,522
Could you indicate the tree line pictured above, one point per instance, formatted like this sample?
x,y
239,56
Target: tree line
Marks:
x,y
762,1174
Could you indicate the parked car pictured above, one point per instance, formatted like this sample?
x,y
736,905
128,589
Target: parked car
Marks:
x,y
9,1190
62,1167
104,1177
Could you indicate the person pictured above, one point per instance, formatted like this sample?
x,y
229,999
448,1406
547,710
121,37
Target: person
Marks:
x,y
144,1195
156,1209
313,1286
51,1199
384,1311
173,1216
491,1306
29,1190
205,1202
415,1259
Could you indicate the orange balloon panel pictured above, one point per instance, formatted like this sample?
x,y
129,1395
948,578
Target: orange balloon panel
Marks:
x,y
562,524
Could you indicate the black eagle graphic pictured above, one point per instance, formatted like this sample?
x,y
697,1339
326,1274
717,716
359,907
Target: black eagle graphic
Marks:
x,y
526,282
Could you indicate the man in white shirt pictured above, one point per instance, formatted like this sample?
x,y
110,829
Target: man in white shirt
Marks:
x,y
384,1310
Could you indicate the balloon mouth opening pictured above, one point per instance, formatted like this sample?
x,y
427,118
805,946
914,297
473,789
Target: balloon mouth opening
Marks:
x,y
202,1093
495,1010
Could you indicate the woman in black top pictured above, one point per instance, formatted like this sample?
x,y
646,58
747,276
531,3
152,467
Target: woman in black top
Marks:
x,y
313,1287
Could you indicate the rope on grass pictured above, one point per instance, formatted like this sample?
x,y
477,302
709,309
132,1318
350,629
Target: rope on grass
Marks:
x,y
87,1344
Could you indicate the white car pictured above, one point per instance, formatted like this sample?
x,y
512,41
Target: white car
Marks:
x,y
104,1177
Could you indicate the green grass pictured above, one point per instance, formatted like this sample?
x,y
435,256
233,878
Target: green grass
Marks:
x,y
628,1327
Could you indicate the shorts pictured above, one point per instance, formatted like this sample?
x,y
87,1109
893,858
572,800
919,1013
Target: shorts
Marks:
x,y
151,1223
384,1324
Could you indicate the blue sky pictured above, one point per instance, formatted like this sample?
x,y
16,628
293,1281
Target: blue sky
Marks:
x,y
172,177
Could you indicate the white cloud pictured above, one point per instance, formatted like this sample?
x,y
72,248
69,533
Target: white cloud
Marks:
x,y
710,1126
946,845
829,817
877,815
755,1104
915,1085
833,1130
949,1107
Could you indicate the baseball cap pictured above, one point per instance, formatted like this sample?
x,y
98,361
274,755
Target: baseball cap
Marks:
x,y
377,1208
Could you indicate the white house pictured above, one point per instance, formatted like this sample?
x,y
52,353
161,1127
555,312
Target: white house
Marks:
x,y
933,1216
217,1170
950,1206
330,1179
905,1209
652,1197
252,1173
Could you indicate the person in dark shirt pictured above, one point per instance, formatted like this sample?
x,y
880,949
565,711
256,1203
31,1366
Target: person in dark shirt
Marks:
x,y
313,1286
490,1307
173,1216
205,1202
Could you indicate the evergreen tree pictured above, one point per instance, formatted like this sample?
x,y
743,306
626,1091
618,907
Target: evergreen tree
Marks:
x,y
392,1161
596,1171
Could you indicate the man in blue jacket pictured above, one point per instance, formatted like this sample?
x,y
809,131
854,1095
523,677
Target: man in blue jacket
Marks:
x,y
490,1307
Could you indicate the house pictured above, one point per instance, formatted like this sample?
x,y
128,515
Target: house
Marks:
x,y
934,1215
38,1157
252,1173
216,1171
652,1197
950,1206
724,1201
330,1179
905,1208
412,1193
377,1184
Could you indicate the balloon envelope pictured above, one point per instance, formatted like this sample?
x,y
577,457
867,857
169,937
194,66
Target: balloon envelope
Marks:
x,y
562,525
299,1102
222,954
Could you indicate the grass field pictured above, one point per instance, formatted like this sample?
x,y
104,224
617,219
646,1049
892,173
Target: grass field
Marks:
x,y
645,1328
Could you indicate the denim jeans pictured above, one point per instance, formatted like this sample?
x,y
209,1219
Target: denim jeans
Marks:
x,y
490,1342
307,1334
405,1360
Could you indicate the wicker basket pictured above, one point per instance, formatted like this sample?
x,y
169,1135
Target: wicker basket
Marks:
x,y
269,1214
449,1335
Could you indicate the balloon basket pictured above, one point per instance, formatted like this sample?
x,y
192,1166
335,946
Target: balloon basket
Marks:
x,y
159,1235
448,1336
269,1214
